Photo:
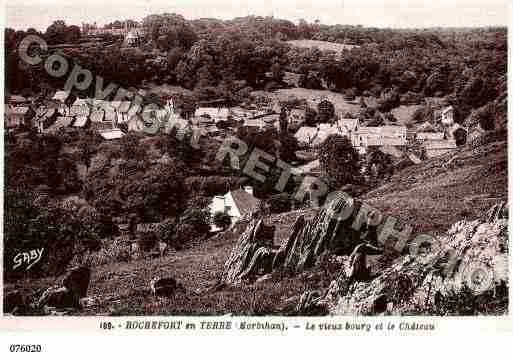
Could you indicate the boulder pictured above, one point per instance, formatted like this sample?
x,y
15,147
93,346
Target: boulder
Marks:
x,y
77,280
165,287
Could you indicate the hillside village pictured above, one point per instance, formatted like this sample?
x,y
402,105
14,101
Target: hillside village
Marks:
x,y
137,181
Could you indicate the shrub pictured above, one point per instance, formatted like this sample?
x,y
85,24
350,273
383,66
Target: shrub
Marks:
x,y
222,220
166,230
280,203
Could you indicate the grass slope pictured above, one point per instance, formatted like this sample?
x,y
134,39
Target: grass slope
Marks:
x,y
459,185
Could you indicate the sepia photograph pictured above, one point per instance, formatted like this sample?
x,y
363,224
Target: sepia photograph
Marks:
x,y
257,159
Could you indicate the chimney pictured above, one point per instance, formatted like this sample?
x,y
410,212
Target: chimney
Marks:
x,y
248,189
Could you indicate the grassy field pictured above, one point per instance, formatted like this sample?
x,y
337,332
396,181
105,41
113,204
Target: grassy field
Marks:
x,y
123,288
313,97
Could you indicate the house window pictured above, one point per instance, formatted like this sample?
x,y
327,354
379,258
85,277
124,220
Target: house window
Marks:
x,y
227,209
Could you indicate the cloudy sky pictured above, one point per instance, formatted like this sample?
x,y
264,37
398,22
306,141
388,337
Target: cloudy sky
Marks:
x,y
21,14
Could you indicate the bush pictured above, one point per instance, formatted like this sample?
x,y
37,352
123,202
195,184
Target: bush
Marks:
x,y
166,230
339,161
281,203
109,253
222,220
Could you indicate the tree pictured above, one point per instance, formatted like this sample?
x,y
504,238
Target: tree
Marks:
x,y
72,34
56,33
339,161
222,220
326,111
277,72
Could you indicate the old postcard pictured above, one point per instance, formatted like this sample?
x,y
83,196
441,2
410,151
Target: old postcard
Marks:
x,y
329,166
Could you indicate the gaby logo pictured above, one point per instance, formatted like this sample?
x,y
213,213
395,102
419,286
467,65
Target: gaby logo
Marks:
x,y
29,258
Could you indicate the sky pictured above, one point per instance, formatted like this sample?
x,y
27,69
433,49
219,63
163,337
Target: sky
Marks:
x,y
21,14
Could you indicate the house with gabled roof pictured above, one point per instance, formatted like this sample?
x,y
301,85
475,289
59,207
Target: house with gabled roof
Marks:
x,y
379,136
18,115
61,96
447,117
237,204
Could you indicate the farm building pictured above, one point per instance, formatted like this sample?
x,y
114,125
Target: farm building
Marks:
x,y
438,148
237,204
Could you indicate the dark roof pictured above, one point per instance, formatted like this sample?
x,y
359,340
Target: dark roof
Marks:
x,y
246,203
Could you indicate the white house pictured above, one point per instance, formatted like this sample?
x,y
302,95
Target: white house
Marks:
x,y
237,204
112,134
378,136
448,116
425,136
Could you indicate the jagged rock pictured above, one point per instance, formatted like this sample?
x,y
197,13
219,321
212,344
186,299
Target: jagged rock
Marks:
x,y
77,280
325,233
309,240
165,287
252,254
58,297
470,261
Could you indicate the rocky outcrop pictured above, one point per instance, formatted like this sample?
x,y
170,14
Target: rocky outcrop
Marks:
x,y
77,280
252,255
470,263
326,233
